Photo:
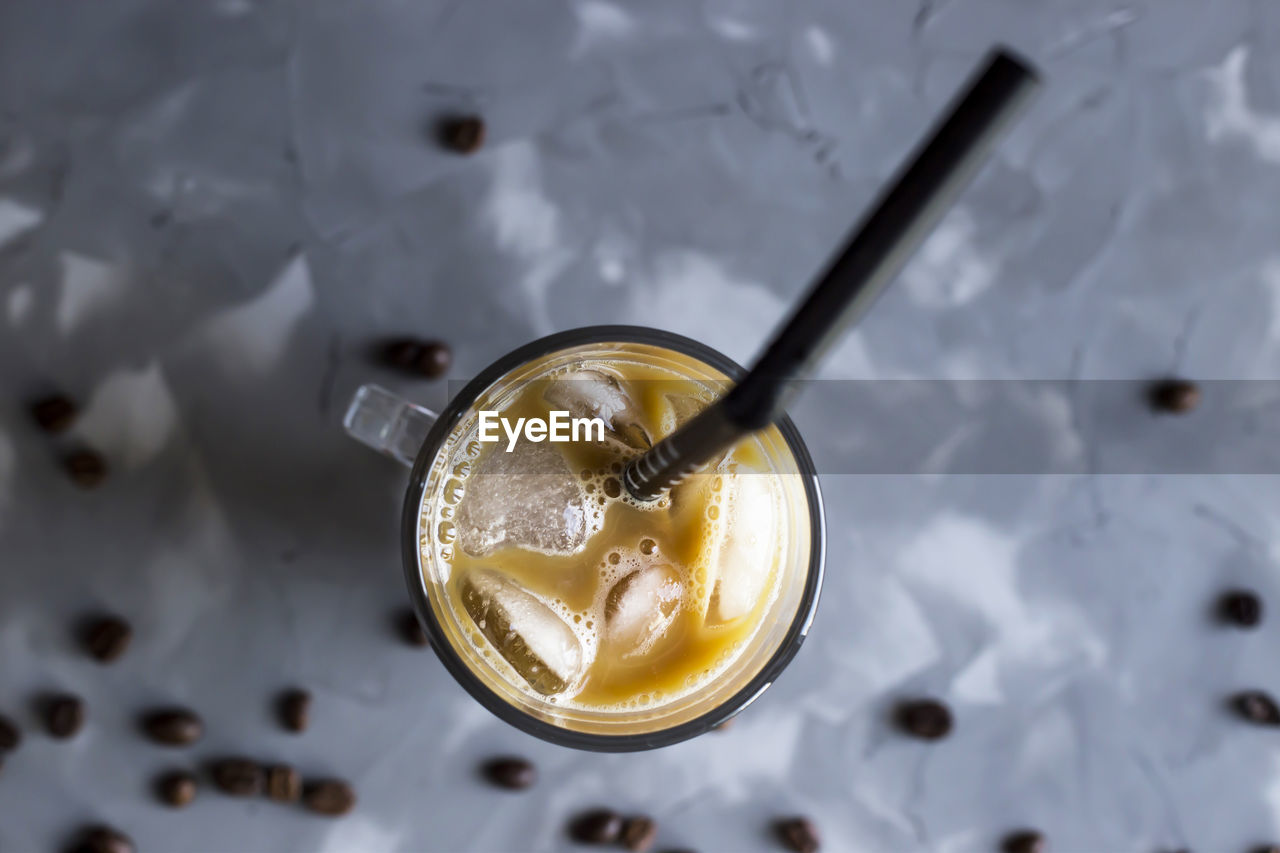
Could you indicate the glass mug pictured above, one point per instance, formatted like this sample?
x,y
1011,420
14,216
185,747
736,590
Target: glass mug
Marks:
x,y
429,443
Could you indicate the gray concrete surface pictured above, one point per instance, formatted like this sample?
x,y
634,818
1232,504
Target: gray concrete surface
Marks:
x,y
209,208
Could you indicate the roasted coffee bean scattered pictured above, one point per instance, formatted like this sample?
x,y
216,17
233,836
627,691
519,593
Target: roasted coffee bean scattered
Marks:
x,y
598,826
425,358
295,710
411,629
284,785
108,638
239,777
798,834
924,718
54,414
10,736
176,789
638,833
331,797
1025,841
1241,607
1257,707
1176,396
87,468
515,774
464,134
102,839
173,726
63,715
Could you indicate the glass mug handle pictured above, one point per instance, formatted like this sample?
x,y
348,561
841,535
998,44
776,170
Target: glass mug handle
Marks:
x,y
387,423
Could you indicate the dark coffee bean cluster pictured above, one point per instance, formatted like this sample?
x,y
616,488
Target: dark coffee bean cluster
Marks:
x,y
245,777
603,827
55,414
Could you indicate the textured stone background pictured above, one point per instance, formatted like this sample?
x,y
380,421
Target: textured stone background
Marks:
x,y
209,208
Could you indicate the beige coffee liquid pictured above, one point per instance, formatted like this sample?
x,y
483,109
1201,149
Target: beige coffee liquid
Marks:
x,y
574,591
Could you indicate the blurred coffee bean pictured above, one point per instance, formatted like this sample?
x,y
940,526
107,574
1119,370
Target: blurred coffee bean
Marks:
x,y
239,777
54,414
798,834
1241,607
102,839
108,638
430,359
330,797
173,726
1257,707
928,719
64,715
410,628
638,833
463,134
1025,841
1175,396
295,710
284,785
176,789
86,468
515,774
598,826
10,736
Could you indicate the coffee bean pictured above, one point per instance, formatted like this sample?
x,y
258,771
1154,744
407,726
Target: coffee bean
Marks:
x,y
463,134
598,826
1241,607
108,638
410,629
295,710
638,833
1175,396
87,468
1257,707
176,789
798,834
925,718
10,736
424,358
64,715
173,726
1024,841
1266,848
515,774
239,777
102,839
330,797
284,785
54,414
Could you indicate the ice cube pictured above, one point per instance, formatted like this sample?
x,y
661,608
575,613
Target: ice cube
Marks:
x,y
679,410
640,608
740,551
527,633
528,498
591,393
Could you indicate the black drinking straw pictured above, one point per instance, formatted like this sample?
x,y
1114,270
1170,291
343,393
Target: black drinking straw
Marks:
x,y
875,252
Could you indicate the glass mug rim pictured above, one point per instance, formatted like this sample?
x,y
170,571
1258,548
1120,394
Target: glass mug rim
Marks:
x,y
452,659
